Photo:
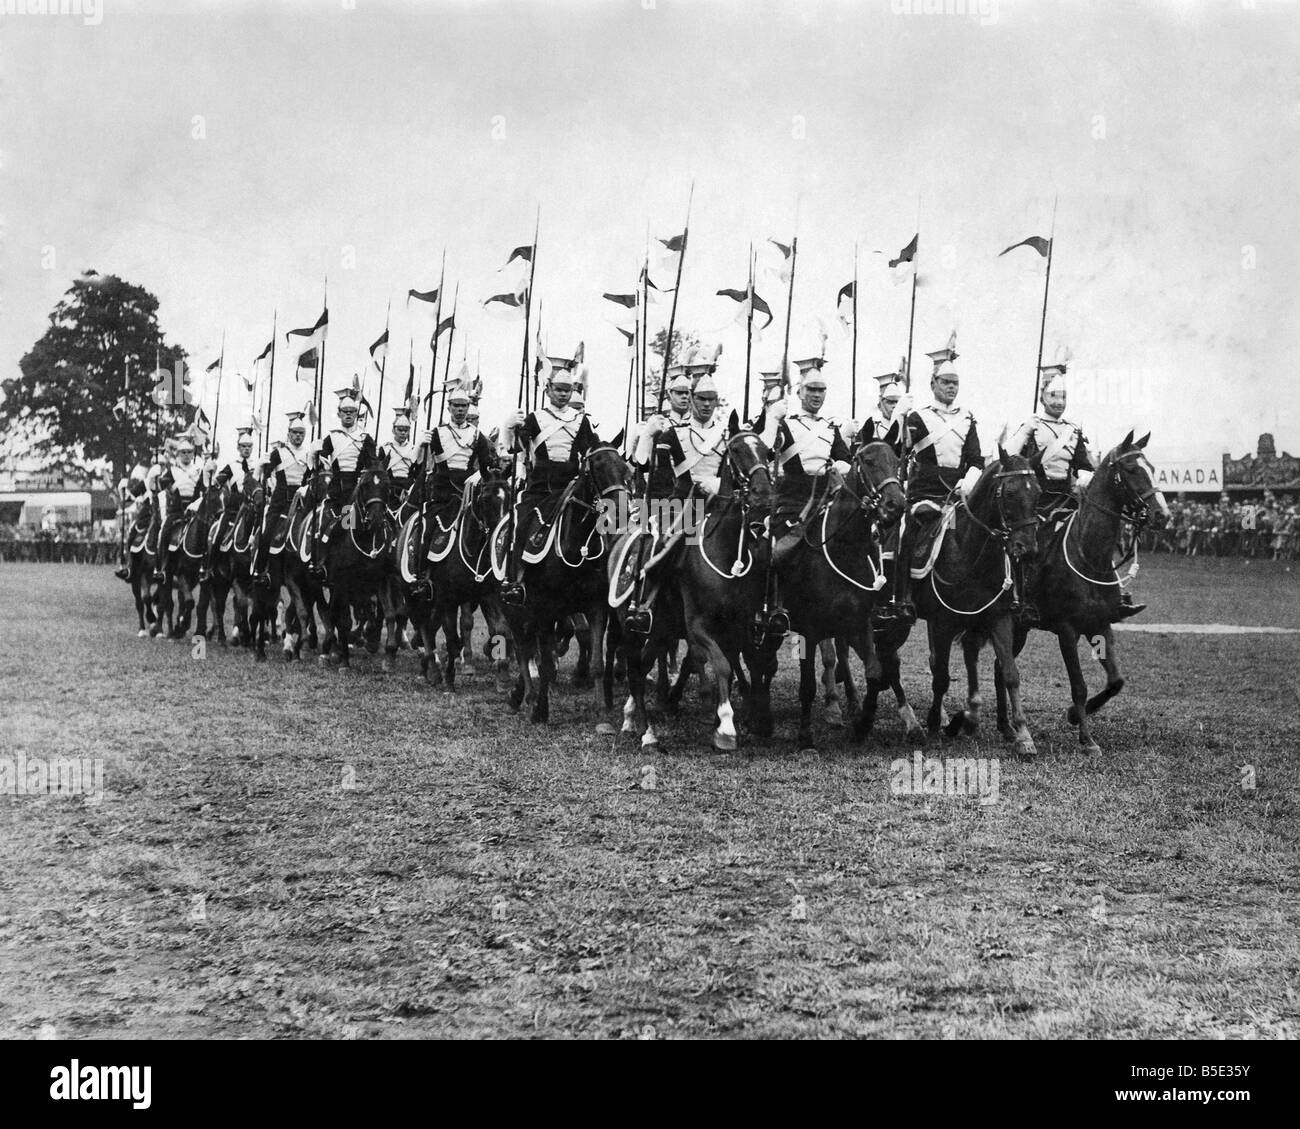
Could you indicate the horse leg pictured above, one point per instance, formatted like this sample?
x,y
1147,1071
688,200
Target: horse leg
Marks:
x,y
807,692
1004,647
1068,638
864,647
1109,660
525,649
545,673
451,635
582,679
636,717
967,721
830,696
940,652
684,669
467,635
1000,693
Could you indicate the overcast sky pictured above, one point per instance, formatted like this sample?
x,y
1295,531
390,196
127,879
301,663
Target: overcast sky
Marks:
x,y
228,155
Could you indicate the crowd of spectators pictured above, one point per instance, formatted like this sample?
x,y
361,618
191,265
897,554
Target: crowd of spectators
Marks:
x,y
79,542
1267,529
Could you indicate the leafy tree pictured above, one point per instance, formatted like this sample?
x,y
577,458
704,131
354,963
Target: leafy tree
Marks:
x,y
683,342
86,388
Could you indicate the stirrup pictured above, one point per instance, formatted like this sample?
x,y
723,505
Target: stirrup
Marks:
x,y
122,573
262,578
422,587
640,621
1027,615
775,621
514,594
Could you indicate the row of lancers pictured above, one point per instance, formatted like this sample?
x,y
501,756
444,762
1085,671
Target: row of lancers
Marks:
x,y
677,452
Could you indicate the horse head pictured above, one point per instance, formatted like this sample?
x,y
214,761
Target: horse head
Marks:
x,y
370,498
1125,477
874,478
604,472
1005,502
491,498
747,464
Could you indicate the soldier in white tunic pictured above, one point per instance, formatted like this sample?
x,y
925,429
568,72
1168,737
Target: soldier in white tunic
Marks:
x,y
290,465
178,486
342,454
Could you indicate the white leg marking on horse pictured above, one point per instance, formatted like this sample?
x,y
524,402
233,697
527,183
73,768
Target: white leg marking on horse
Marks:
x,y
629,709
648,738
907,716
726,724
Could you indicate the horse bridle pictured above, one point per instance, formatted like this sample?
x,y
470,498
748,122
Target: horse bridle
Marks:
x,y
743,481
1135,509
1005,529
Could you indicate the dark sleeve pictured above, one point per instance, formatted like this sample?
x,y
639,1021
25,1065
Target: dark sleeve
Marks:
x,y
224,475
327,447
915,428
165,479
672,441
530,429
1082,459
971,456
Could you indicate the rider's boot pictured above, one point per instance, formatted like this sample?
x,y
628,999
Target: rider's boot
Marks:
x,y
513,591
123,572
1127,608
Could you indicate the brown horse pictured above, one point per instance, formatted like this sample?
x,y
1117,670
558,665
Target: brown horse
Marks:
x,y
464,576
358,560
831,579
969,590
722,573
189,539
141,555
569,580
1076,585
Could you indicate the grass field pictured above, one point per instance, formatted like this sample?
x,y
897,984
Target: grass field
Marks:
x,y
295,851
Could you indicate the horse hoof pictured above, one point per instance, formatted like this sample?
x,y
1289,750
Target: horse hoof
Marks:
x,y
323,660
1093,749
970,727
604,729
649,740
724,742
142,633
834,715
1072,715
386,666
1026,749
583,682
540,717
516,700
260,657
916,736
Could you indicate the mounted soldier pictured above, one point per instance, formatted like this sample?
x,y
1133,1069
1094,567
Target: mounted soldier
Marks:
x,y
884,425
232,475
553,439
679,453
398,455
132,494
454,452
289,463
944,451
178,487
1060,448
811,456
344,453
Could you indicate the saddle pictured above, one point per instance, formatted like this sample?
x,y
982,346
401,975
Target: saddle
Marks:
x,y
927,541
539,521
443,532
640,549
410,536
136,541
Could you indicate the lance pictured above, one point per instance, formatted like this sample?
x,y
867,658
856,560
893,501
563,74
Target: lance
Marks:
x,y
221,368
528,317
672,314
157,413
789,310
383,363
451,338
270,382
1042,325
749,332
320,366
126,422
437,321
631,380
905,433
853,364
